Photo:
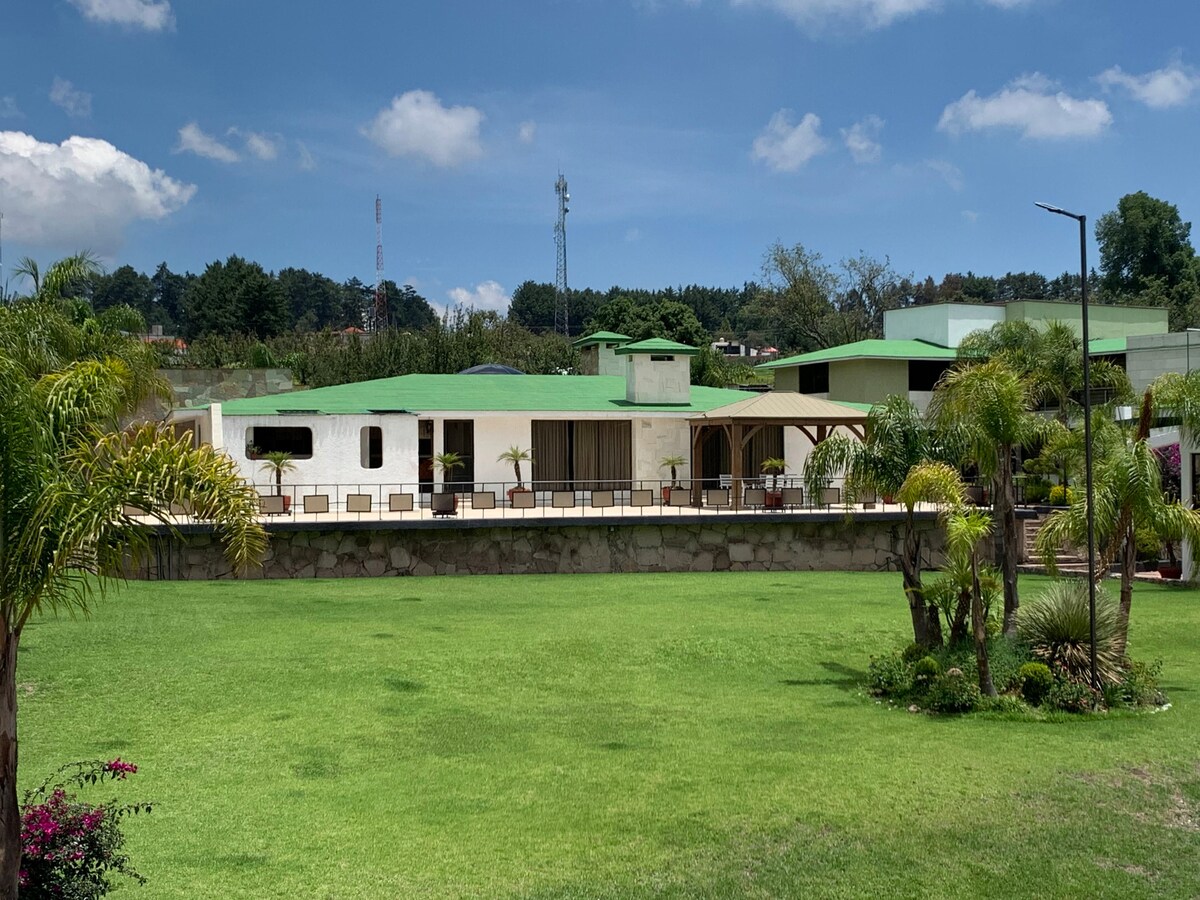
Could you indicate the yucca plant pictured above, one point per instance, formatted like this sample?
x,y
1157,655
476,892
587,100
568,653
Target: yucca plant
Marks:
x,y
774,466
672,463
275,464
1058,629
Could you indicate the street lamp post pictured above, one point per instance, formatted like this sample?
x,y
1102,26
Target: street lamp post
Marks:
x,y
1087,433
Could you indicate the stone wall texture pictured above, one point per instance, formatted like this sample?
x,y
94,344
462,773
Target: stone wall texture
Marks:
x,y
860,545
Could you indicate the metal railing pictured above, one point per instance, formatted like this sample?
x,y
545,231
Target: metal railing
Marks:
x,y
327,502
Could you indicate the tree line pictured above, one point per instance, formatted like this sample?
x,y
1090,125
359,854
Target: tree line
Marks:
x,y
799,302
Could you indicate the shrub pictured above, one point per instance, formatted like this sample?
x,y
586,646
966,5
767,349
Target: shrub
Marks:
x,y
1036,490
1004,703
1056,625
1060,496
1070,696
925,670
68,847
1035,680
1149,547
889,675
953,692
1138,685
913,652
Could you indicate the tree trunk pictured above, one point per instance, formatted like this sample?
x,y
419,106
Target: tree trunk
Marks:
x,y
962,612
1006,512
979,627
1128,567
10,810
910,565
933,634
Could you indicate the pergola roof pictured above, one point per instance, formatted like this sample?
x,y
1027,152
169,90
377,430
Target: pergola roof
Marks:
x,y
782,408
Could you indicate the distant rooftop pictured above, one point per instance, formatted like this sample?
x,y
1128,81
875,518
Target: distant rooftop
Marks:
x,y
601,337
657,345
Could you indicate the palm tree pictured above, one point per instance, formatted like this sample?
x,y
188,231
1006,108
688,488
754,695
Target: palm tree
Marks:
x,y
1128,495
516,456
773,466
67,476
938,484
897,438
673,463
988,406
275,464
446,463
62,277
965,528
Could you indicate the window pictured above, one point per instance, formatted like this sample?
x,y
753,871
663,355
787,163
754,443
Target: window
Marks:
x,y
813,379
923,374
295,440
371,447
662,359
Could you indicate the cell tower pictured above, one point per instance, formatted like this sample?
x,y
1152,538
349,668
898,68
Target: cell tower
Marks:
x,y
380,319
562,314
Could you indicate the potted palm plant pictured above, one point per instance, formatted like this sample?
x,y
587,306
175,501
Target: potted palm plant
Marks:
x,y
672,463
275,464
446,502
516,456
774,466
1170,568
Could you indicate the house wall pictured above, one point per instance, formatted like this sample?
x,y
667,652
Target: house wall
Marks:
x,y
788,379
655,438
657,381
337,450
867,380
494,435
941,323
1148,356
1103,321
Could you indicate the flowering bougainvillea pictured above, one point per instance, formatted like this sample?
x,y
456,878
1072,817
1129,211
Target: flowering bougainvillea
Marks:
x,y
1168,467
68,846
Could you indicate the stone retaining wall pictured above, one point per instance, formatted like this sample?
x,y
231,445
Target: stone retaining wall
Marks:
x,y
861,545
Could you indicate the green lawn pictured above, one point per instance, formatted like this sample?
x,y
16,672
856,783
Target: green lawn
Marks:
x,y
594,737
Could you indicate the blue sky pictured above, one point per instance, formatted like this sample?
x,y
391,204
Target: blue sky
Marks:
x,y
693,133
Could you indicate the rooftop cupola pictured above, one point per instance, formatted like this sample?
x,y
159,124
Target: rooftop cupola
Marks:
x,y
657,371
597,353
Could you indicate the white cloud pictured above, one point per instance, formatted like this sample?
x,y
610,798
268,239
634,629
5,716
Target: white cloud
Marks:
x,y
819,14
1031,105
307,162
1163,88
417,124
862,140
485,295
262,146
80,193
527,132
8,108
970,215
75,103
948,172
785,147
192,139
152,15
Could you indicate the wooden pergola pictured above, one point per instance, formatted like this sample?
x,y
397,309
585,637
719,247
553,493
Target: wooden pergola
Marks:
x,y
815,418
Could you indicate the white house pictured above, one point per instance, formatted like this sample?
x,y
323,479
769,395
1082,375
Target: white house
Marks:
x,y
588,431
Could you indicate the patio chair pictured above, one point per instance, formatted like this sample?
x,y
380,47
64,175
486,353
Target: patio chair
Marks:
x,y
444,504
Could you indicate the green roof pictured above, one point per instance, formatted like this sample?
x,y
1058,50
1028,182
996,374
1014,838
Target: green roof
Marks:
x,y
601,337
657,345
869,349
1106,345
485,393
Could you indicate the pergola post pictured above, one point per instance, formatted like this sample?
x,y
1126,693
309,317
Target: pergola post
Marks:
x,y
697,462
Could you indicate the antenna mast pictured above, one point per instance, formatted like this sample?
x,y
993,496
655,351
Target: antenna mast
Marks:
x,y
562,316
380,319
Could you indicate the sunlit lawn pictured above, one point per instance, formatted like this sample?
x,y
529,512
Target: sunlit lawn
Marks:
x,y
596,736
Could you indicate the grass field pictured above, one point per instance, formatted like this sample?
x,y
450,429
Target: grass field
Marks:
x,y
596,737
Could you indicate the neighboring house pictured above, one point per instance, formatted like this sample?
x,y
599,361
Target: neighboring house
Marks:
x,y
921,342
